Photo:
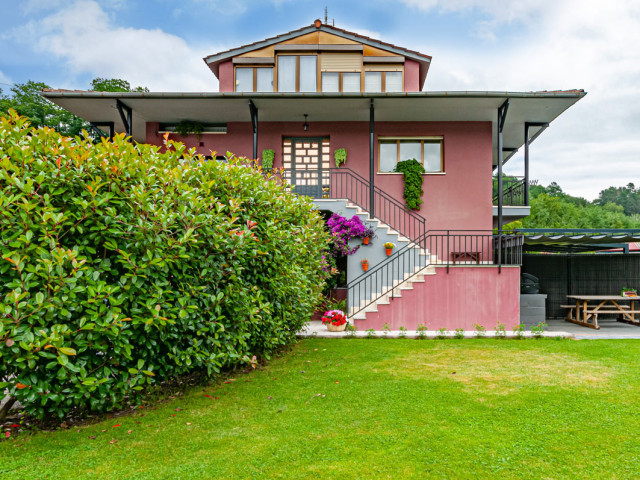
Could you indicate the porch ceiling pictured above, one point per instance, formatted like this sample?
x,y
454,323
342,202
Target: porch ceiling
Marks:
x,y
539,107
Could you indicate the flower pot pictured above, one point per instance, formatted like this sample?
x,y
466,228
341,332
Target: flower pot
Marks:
x,y
388,250
336,328
365,266
365,241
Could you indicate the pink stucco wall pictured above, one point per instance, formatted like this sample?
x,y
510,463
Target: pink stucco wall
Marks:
x,y
465,296
458,199
225,77
411,76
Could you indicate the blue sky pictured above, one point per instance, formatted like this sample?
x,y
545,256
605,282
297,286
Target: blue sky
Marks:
x,y
475,44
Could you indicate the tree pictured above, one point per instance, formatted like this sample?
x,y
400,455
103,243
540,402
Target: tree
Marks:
x,y
114,85
628,197
27,101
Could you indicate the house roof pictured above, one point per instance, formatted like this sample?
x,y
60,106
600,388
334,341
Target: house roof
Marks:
x,y
168,107
214,61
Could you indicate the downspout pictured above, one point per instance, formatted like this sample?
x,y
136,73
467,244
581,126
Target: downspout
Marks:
x,y
254,124
371,161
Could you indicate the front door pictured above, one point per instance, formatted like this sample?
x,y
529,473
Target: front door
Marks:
x,y
306,165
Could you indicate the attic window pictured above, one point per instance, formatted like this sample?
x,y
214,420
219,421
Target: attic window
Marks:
x,y
254,79
297,73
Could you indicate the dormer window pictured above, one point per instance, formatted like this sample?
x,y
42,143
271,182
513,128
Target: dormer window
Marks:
x,y
382,81
254,79
297,73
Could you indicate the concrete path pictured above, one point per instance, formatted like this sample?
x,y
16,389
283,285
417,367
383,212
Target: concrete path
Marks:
x,y
317,329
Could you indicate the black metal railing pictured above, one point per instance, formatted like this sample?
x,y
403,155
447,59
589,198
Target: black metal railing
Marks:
x,y
513,191
438,248
347,184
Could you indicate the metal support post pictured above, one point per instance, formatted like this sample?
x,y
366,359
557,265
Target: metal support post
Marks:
x,y
502,116
371,160
126,115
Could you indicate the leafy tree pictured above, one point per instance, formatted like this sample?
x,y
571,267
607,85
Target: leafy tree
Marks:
x,y
628,197
27,101
114,85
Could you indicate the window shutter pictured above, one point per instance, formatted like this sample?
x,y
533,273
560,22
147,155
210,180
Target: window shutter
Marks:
x,y
341,62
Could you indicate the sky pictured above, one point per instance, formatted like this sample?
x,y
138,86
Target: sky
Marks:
x,y
476,45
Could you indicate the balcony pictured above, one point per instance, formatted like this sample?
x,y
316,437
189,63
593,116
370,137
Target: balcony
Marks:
x,y
515,199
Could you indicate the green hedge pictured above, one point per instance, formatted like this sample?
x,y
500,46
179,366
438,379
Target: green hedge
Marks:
x,y
124,265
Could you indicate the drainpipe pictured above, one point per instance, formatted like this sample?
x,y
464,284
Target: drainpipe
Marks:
x,y
371,161
254,124
502,115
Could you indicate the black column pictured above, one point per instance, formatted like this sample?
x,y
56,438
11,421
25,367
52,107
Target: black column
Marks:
x,y
254,124
372,170
502,115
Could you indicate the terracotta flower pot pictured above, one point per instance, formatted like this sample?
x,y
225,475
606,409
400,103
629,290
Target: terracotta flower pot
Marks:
x,y
365,266
365,241
336,328
388,250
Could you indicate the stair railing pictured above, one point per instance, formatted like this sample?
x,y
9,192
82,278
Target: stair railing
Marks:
x,y
435,247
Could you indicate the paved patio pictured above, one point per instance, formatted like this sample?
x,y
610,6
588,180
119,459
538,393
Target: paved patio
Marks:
x,y
609,329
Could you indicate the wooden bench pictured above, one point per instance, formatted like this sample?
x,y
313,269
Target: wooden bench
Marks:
x,y
458,256
571,312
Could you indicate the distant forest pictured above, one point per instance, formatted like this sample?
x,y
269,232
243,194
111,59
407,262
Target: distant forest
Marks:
x,y
615,207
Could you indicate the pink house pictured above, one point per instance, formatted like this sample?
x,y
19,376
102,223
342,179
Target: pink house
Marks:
x,y
306,93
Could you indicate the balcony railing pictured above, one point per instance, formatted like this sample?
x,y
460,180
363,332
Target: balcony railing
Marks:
x,y
513,191
442,248
344,183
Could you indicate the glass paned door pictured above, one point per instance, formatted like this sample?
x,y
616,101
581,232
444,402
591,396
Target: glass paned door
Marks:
x,y
306,165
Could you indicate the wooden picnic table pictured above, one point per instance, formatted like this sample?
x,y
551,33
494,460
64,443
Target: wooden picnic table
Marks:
x,y
586,313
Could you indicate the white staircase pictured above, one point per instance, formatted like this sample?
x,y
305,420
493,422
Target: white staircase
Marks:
x,y
378,286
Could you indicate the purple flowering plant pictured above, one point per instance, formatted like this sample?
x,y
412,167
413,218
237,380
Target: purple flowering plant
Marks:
x,y
344,229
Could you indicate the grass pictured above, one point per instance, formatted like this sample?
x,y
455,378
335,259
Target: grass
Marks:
x,y
376,409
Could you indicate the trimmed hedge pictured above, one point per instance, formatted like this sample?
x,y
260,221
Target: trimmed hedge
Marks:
x,y
123,265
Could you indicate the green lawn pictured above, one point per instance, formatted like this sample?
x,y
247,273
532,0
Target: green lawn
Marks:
x,y
376,409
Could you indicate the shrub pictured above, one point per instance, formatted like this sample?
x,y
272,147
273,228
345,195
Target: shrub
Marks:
x,y
412,170
123,265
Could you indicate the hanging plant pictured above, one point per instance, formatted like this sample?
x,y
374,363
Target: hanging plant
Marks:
x,y
190,127
340,156
267,159
412,170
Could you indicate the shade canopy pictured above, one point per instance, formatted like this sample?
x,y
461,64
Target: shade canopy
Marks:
x,y
164,107
584,240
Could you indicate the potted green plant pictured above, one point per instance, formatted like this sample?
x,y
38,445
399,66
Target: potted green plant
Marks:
x,y
413,171
340,156
388,247
268,156
189,127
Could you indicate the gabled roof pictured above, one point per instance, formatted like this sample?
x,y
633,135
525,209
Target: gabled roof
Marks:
x,y
213,61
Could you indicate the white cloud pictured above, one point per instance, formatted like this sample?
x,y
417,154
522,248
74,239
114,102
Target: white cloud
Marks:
x,y
5,82
560,45
85,39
